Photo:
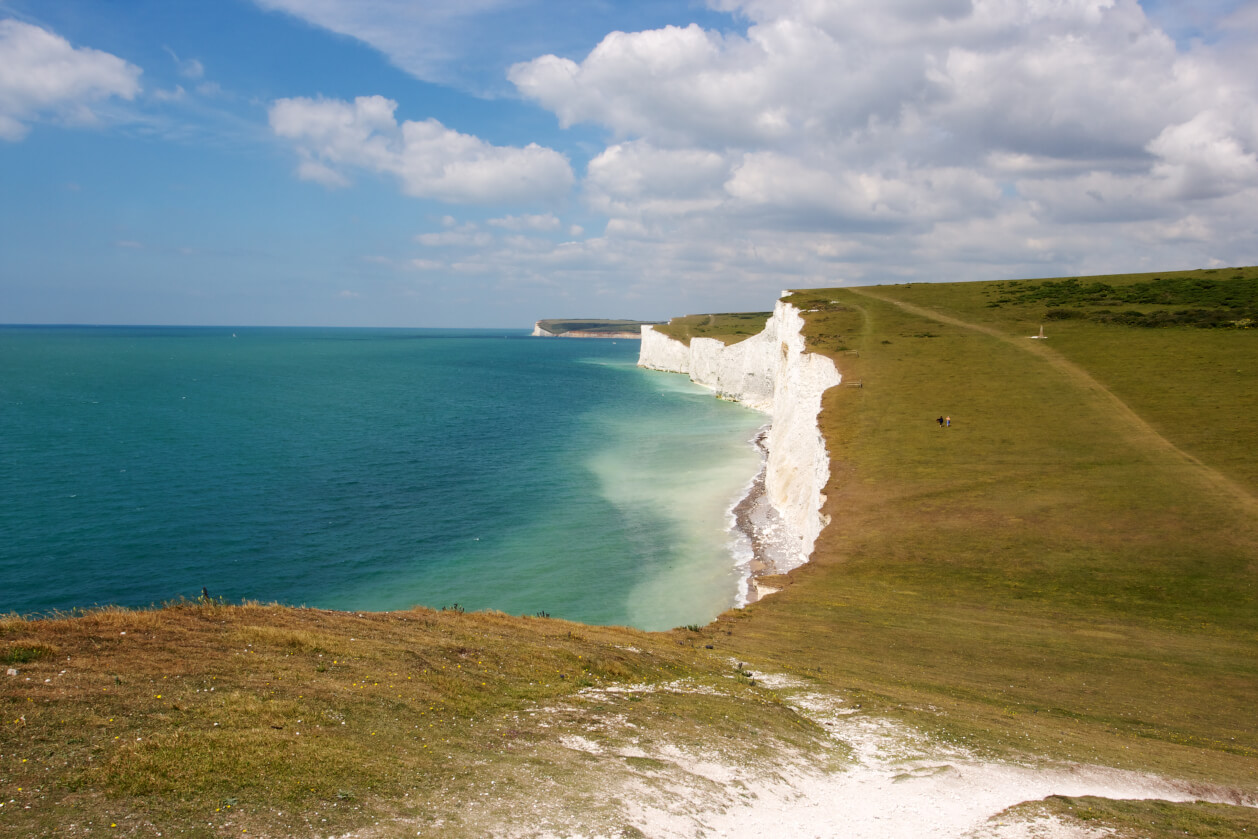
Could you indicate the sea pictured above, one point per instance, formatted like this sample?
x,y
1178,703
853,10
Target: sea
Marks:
x,y
367,470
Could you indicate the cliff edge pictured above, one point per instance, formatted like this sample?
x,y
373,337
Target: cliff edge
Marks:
x,y
770,372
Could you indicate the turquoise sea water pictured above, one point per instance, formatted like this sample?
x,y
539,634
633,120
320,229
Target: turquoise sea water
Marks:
x,y
363,469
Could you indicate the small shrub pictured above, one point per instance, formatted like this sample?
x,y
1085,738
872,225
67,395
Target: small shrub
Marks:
x,y
25,653
1065,314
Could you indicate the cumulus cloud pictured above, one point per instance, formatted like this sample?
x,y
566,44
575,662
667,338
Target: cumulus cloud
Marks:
x,y
43,75
857,199
946,76
333,137
466,236
1203,158
545,222
676,85
639,178
915,136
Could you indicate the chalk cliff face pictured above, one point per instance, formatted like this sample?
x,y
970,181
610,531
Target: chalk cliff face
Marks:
x,y
772,373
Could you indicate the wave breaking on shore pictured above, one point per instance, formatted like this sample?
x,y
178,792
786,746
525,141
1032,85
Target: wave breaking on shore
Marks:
x,y
762,545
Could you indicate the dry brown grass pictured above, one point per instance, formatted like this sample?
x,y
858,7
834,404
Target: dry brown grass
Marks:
x,y
216,718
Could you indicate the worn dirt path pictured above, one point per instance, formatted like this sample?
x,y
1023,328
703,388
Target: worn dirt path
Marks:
x,y
1132,423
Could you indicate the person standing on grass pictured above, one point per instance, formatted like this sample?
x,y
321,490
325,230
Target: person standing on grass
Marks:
x,y
940,420
948,421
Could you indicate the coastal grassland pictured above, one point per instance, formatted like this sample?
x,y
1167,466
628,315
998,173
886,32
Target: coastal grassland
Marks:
x,y
1067,572
1048,576
726,327
204,719
1194,385
1145,819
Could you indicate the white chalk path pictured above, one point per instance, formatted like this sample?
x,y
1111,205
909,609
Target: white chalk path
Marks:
x,y
898,785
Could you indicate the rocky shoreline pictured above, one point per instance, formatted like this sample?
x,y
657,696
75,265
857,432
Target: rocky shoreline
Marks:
x,y
759,522
771,372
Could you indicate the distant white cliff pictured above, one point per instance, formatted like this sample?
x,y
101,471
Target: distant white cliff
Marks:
x,y
773,373
628,330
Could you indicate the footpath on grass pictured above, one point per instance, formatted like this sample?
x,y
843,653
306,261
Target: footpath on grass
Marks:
x,y
1137,429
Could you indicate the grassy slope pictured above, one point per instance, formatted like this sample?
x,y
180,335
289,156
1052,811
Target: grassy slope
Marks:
x,y
1147,819
1037,577
214,720
1043,577
727,327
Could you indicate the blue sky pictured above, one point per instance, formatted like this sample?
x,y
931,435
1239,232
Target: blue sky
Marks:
x,y
492,162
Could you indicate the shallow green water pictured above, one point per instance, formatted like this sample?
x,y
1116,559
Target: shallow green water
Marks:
x,y
363,469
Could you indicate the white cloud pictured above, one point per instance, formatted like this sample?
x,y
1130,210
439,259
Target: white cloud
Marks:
x,y
210,89
945,138
429,160
189,68
900,195
544,223
43,75
1203,158
177,94
423,39
455,238
1016,76
636,178
676,85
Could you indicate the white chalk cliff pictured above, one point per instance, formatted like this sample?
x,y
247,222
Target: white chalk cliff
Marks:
x,y
773,373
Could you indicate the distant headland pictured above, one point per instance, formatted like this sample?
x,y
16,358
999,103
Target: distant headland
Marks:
x,y
590,328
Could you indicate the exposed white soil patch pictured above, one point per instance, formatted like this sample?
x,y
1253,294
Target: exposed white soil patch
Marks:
x,y
600,769
897,782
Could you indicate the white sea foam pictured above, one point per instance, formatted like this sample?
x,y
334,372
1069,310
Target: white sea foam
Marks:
x,y
773,372
675,481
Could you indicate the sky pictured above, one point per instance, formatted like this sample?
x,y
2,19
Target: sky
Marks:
x,y
486,163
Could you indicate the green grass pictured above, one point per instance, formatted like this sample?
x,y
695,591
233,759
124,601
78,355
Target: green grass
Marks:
x,y
1147,819
1211,298
1197,387
1068,572
727,327
212,719
1040,577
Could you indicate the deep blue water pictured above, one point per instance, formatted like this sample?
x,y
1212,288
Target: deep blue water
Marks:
x,y
363,469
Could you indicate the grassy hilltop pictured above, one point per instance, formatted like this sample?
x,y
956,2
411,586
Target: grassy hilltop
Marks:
x,y
726,327
1068,572
1071,567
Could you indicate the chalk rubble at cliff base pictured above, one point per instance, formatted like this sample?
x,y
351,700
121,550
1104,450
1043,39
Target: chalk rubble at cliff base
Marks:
x,y
770,372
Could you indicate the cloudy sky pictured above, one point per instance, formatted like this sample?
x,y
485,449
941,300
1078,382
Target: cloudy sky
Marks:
x,y
491,162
